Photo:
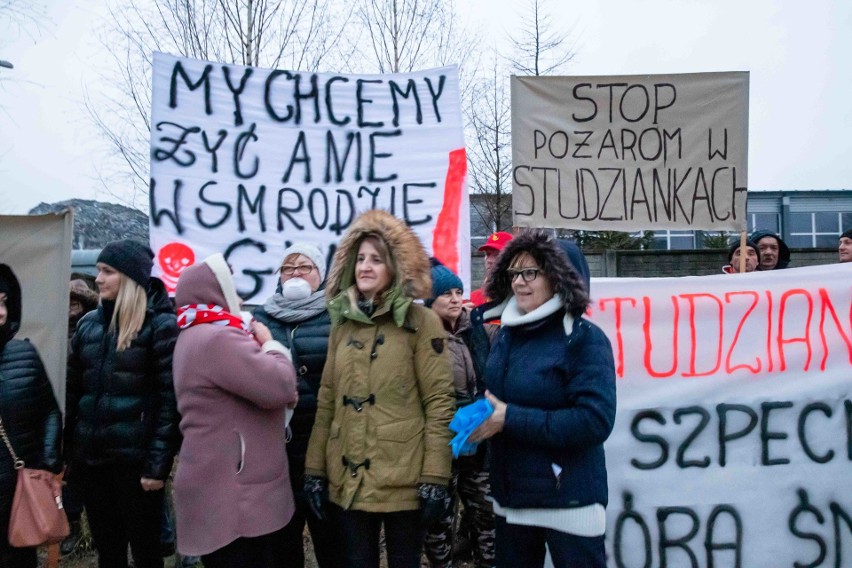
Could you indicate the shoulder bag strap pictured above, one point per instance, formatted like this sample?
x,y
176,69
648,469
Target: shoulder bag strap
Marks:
x,y
19,463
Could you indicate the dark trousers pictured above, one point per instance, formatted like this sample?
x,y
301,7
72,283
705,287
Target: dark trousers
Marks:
x,y
265,551
121,513
324,536
520,546
11,557
72,499
403,537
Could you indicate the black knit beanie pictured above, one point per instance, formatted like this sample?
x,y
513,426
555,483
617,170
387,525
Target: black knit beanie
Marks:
x,y
749,244
131,258
847,234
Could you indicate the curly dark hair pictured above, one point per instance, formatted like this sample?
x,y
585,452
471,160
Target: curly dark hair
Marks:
x,y
553,263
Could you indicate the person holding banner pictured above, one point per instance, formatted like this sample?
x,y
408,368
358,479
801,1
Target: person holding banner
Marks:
x,y
29,413
120,414
844,246
379,446
232,490
297,317
774,252
492,247
752,258
551,381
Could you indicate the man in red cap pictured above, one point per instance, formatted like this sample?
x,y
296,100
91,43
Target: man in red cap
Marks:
x,y
492,247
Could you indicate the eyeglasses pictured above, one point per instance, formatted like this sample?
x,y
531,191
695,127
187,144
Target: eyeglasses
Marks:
x,y
301,270
527,274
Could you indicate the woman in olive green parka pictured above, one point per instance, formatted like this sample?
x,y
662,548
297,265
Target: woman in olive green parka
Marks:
x,y
379,446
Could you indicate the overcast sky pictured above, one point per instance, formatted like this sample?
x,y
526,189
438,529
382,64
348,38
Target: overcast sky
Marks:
x,y
799,55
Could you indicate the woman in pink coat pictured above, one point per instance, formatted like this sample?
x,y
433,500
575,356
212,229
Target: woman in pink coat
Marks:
x,y
232,488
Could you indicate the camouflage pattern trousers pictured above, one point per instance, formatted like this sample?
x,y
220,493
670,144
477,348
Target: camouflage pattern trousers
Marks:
x,y
470,484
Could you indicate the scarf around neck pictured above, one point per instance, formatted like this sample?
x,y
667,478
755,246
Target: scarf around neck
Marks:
x,y
195,314
295,310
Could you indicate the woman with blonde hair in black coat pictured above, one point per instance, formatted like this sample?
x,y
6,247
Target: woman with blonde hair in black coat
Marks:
x,y
121,422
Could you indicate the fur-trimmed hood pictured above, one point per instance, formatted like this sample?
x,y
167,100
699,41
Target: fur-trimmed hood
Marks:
x,y
409,258
554,263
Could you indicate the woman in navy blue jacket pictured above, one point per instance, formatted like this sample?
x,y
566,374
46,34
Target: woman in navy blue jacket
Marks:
x,y
551,380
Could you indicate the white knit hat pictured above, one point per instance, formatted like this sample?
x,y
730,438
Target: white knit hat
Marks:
x,y
310,251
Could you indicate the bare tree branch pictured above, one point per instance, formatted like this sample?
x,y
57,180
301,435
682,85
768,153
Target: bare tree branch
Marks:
x,y
540,45
297,34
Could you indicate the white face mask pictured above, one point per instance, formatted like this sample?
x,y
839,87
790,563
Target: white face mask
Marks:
x,y
296,289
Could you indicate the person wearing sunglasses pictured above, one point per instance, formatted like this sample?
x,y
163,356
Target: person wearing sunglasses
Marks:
x,y
297,316
550,377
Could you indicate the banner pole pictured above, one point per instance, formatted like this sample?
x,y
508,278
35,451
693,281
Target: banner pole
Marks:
x,y
742,252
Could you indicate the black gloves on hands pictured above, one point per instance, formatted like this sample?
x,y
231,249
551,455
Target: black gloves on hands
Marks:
x,y
434,502
316,494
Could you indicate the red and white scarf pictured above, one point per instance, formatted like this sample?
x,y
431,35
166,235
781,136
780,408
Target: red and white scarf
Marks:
x,y
194,314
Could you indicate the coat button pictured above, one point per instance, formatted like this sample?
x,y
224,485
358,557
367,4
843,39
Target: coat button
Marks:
x,y
303,370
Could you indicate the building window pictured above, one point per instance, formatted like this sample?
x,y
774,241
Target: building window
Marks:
x,y
674,240
768,221
820,229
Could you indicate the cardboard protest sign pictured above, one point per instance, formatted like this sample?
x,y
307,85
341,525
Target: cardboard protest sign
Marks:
x,y
245,161
38,250
733,436
627,153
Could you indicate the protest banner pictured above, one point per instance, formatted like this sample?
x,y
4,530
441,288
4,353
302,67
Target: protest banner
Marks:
x,y
245,161
733,437
38,250
626,153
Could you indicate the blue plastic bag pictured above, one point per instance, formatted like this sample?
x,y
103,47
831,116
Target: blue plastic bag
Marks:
x,y
467,419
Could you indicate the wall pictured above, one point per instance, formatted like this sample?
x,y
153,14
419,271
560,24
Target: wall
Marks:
x,y
660,263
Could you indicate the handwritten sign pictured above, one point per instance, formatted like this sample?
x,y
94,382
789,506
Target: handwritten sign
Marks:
x,y
245,161
627,153
733,437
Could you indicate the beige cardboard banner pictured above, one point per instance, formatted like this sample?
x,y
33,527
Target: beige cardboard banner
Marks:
x,y
38,249
628,153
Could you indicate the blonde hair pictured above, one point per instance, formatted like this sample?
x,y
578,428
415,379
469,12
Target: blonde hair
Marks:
x,y
131,302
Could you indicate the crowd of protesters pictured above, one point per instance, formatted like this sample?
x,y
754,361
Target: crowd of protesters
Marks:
x,y
330,406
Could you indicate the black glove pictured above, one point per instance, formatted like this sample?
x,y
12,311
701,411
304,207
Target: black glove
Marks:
x,y
316,494
434,502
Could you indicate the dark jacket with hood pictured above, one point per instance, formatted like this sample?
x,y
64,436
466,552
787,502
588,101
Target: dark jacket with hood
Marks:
x,y
28,407
555,371
386,398
120,405
307,341
783,249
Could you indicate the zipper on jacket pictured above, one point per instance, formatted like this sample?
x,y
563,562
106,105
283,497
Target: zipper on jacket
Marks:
x,y
557,472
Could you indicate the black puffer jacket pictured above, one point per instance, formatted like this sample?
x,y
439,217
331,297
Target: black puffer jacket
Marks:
x,y
28,407
308,344
120,406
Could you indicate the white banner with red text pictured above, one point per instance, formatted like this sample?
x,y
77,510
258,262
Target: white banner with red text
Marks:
x,y
733,438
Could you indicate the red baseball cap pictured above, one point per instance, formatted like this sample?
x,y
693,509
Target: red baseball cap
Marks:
x,y
496,241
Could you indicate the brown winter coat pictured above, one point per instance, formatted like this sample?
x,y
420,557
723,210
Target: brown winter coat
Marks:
x,y
400,358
